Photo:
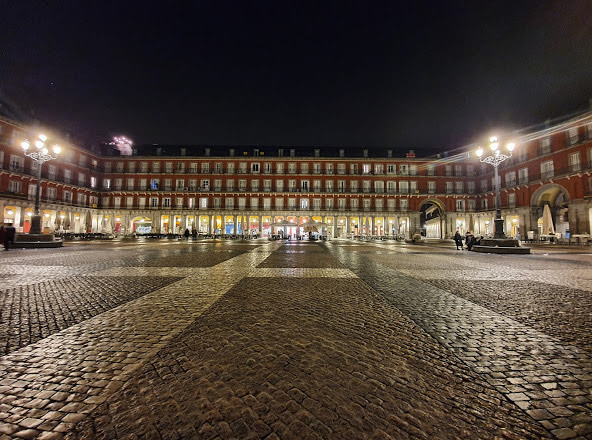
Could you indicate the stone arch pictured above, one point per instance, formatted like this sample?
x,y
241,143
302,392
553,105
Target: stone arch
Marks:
x,y
431,211
552,193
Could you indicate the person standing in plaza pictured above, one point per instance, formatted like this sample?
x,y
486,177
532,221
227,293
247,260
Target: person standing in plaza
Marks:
x,y
8,238
186,234
458,240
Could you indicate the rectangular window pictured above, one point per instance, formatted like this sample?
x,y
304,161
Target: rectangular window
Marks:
x,y
67,196
353,186
547,169
82,199
340,168
203,203
458,170
403,169
413,170
510,179
460,205
218,185
404,204
141,202
193,168
292,203
512,200
129,202
230,185
51,193
431,170
254,167
118,183
279,185
572,136
255,185
573,161
303,168
459,187
341,204
107,167
267,167
448,186
304,185
180,184
484,185
329,186
471,205
379,168
217,202
545,146
131,167
431,187
329,168
154,202
229,202
168,167
267,203
279,168
218,167
180,167
379,186
366,168
279,203
292,185
391,186
17,163
403,187
523,175
390,169
168,184
143,167
156,167
317,186
471,187
292,168
329,203
93,182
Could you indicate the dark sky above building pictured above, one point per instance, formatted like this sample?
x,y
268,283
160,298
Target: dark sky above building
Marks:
x,y
422,75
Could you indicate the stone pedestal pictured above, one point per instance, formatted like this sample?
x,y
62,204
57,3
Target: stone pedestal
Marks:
x,y
501,246
36,241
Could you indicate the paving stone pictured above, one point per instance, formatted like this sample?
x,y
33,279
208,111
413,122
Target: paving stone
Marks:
x,y
305,340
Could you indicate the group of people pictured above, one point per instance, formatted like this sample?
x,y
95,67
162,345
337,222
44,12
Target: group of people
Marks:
x,y
193,234
7,235
469,239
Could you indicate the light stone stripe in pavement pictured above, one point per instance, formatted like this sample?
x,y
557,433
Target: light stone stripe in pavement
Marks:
x,y
69,373
576,278
551,381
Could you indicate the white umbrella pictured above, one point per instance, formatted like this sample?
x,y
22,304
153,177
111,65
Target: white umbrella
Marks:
x,y
283,223
548,227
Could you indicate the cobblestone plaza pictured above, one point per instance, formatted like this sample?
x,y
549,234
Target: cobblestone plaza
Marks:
x,y
262,339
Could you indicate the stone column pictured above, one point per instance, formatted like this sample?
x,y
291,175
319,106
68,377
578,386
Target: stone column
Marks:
x,y
235,225
260,218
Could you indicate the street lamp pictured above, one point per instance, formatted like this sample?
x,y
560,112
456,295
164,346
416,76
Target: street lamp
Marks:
x,y
40,155
495,158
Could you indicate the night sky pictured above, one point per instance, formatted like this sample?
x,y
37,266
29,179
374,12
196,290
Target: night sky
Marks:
x,y
427,75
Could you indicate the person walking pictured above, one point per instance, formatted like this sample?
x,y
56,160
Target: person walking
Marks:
x,y
9,237
186,234
458,240
3,237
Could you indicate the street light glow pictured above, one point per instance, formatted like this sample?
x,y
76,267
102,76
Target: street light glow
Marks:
x,y
42,137
479,152
57,149
39,144
25,145
510,146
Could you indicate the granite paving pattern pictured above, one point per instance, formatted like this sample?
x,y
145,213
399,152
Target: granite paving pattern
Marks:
x,y
550,380
300,359
170,339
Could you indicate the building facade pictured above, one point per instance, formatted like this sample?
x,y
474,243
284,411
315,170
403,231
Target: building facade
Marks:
x,y
246,190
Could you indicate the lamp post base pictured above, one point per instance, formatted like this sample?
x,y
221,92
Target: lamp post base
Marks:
x,y
501,246
36,241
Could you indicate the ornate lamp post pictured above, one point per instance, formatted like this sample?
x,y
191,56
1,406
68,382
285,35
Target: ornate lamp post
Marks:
x,y
40,155
495,158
